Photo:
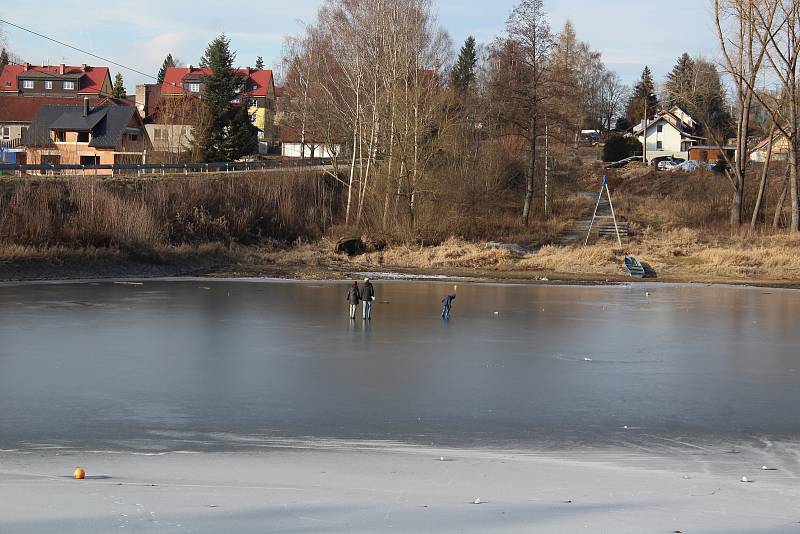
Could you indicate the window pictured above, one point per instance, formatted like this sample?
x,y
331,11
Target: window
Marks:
x,y
194,87
69,86
659,145
160,134
27,84
5,133
90,160
134,137
253,103
59,137
48,84
660,128
83,137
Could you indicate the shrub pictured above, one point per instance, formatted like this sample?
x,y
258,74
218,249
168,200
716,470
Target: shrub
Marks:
x,y
619,147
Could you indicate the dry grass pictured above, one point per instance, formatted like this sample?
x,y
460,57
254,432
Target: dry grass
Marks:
x,y
148,214
451,253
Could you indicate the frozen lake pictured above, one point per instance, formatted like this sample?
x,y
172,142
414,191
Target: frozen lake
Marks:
x,y
228,365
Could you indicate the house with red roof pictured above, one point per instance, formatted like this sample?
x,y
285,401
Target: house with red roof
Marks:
x,y
56,81
257,93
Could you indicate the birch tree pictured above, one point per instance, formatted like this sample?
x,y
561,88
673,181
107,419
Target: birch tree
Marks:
x,y
777,24
743,52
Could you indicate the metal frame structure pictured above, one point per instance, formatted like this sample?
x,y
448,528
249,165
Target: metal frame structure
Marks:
x,y
605,188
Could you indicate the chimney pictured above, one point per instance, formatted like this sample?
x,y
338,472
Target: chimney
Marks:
x,y
26,67
84,67
85,106
61,69
190,68
141,100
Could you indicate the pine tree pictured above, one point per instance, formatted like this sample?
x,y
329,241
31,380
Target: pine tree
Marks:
x,y
259,63
463,74
118,91
229,134
3,59
242,135
644,91
680,83
168,62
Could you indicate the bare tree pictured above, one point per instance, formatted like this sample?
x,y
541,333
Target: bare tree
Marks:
x,y
613,95
778,32
743,52
526,52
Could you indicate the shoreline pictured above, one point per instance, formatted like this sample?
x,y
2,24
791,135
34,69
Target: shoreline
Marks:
x,y
12,272
410,489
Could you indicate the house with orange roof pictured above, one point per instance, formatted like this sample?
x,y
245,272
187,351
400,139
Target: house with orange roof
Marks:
x,y
56,81
257,93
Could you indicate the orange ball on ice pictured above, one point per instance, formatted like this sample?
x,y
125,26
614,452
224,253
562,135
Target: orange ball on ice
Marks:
x,y
79,474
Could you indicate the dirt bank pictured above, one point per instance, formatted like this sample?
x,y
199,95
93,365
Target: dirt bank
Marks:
x,y
676,256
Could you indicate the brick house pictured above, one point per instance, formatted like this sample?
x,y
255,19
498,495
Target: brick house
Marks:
x,y
17,113
85,135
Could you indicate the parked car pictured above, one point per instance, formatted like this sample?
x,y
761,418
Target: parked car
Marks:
x,y
667,165
693,166
658,159
687,166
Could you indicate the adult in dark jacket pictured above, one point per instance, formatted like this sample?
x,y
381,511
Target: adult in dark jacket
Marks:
x,y
353,297
447,303
367,296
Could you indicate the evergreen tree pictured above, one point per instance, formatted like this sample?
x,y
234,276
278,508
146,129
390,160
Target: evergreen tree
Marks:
x,y
3,59
168,62
463,74
259,63
242,135
680,83
643,92
228,135
118,90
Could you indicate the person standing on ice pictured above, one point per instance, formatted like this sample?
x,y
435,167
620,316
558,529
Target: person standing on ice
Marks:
x,y
447,303
368,295
354,297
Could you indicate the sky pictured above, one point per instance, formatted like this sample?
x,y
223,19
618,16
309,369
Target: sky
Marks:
x,y
139,34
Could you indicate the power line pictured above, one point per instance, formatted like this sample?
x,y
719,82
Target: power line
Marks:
x,y
82,51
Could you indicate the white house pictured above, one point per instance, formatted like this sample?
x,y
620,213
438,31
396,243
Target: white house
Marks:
x,y
669,133
295,145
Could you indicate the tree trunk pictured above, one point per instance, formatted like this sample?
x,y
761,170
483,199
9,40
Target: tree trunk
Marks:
x,y
529,175
389,163
794,207
776,220
740,162
762,187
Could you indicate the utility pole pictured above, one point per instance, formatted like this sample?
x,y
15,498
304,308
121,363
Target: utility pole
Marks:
x,y
644,133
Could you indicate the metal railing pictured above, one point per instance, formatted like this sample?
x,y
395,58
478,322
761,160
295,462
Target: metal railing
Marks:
x,y
11,143
168,168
